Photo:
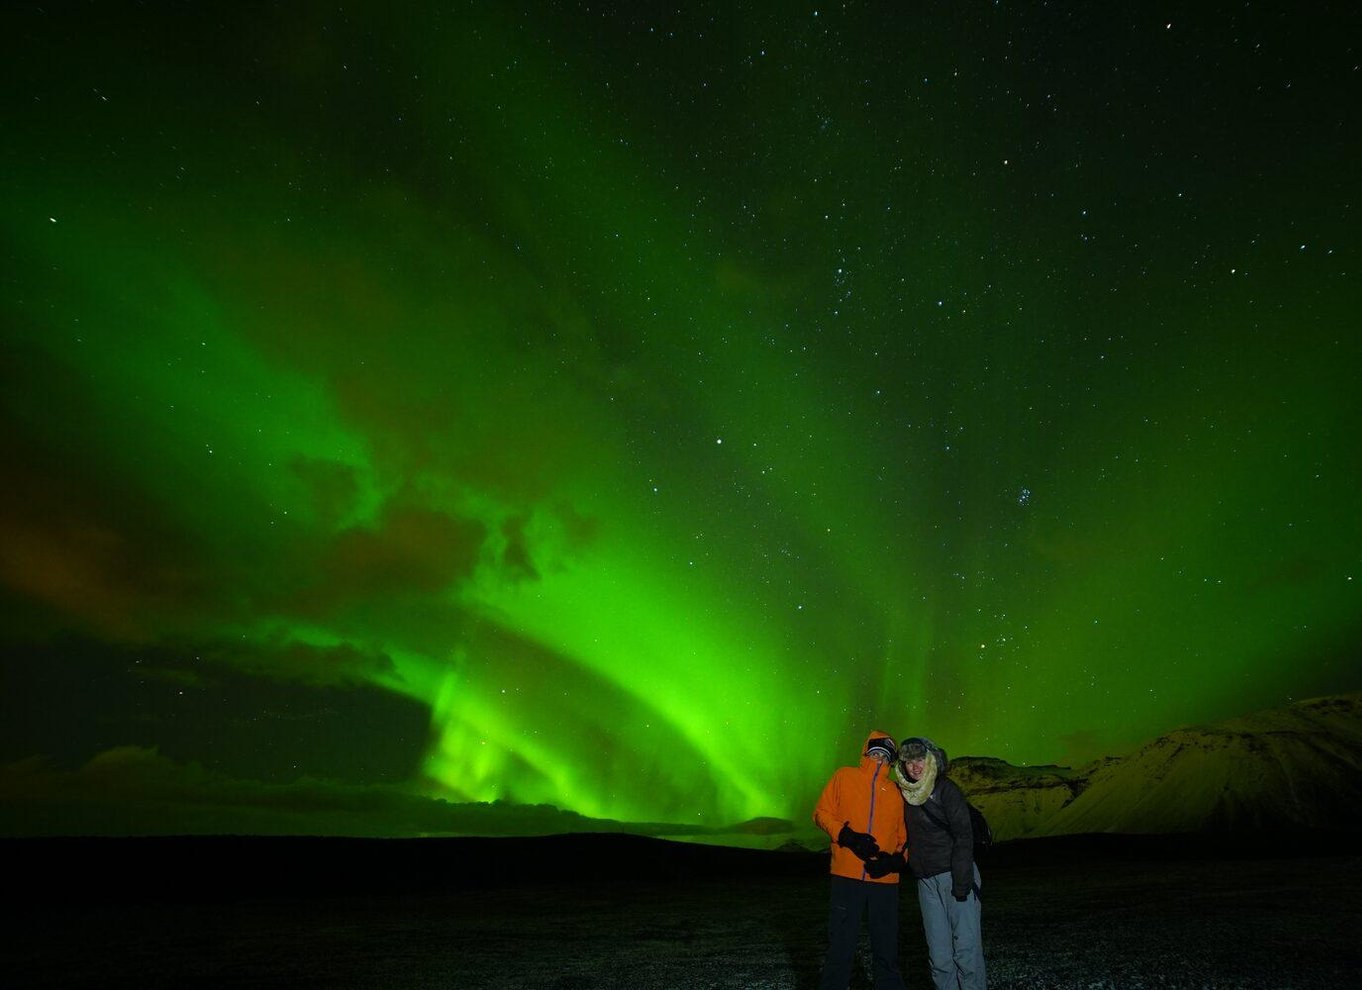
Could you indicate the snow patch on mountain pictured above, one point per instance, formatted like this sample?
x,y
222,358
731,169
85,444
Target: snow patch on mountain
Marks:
x,y
1294,767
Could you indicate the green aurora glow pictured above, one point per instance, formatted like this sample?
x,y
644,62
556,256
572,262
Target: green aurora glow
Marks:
x,y
625,411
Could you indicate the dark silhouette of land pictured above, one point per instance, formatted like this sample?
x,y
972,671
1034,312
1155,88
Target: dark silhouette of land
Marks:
x,y
587,911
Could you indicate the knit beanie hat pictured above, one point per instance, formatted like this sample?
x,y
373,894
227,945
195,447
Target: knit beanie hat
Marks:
x,y
882,747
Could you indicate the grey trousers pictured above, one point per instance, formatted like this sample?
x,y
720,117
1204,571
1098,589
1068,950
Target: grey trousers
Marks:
x,y
955,947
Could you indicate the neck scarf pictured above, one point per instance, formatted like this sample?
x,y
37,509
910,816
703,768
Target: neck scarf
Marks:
x,y
917,792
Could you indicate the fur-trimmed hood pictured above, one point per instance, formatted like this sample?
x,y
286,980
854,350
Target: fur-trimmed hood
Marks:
x,y
916,792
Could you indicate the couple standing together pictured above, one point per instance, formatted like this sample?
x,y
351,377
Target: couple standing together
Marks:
x,y
880,827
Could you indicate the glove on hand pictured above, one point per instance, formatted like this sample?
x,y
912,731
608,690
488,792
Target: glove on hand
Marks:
x,y
883,864
863,844
962,898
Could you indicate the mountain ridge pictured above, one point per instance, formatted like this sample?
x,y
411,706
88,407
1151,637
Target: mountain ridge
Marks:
x,y
1296,767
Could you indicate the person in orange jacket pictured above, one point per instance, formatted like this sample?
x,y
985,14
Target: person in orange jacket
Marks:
x,y
861,809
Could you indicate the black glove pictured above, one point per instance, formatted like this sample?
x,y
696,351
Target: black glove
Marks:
x,y
863,844
962,898
883,864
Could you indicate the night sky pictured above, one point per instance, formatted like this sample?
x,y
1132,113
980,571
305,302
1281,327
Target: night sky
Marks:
x,y
625,410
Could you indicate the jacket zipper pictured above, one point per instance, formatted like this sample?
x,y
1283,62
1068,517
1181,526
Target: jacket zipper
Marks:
x,y
870,825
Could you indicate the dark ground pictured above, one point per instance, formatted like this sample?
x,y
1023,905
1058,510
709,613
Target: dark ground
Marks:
x,y
403,914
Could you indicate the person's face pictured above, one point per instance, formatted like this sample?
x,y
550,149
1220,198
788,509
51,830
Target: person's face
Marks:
x,y
915,768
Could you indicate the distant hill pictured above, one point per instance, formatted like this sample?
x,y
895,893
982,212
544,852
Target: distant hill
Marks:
x,y
1298,767
1016,800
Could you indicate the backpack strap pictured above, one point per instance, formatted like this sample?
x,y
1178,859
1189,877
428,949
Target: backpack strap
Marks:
x,y
942,823
938,822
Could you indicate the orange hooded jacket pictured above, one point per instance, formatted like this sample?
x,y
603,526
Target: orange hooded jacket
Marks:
x,y
870,801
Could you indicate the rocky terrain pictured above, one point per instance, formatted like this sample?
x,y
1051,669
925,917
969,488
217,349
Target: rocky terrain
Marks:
x,y
1069,913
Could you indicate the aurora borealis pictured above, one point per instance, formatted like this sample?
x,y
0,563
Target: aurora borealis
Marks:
x,y
625,409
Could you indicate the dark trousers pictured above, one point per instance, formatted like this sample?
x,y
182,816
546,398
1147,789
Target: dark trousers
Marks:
x,y
850,899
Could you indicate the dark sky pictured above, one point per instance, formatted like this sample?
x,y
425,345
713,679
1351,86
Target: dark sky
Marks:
x,y
624,409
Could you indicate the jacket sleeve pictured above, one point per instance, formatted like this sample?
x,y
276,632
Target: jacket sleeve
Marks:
x,y
827,813
962,835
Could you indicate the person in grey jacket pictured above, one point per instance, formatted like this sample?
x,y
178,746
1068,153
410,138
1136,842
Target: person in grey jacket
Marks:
x,y
941,857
